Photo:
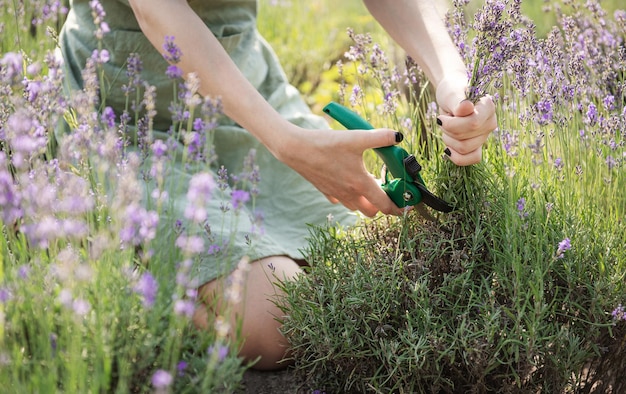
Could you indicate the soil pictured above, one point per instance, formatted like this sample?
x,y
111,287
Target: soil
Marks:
x,y
272,382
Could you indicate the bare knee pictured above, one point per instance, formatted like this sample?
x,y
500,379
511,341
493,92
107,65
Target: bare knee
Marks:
x,y
256,311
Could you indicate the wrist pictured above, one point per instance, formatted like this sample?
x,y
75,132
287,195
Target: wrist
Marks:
x,y
283,140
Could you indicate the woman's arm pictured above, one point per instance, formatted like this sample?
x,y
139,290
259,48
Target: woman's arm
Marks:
x,y
332,161
418,28
203,55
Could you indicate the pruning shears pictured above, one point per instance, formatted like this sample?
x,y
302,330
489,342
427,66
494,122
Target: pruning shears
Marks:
x,y
407,187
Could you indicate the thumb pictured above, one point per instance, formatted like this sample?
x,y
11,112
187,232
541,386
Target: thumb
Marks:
x,y
378,138
464,108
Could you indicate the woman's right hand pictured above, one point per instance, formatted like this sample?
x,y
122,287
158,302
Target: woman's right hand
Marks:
x,y
332,161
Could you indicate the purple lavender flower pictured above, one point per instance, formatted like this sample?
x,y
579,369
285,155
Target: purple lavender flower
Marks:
x,y
159,148
521,207
200,189
558,163
139,225
184,308
238,198
10,197
495,44
81,307
213,249
134,67
356,96
192,292
100,56
23,271
257,218
564,246
611,162
219,351
592,114
222,178
545,111
5,295
190,245
358,51
161,379
173,72
178,111
108,117
195,145
609,102
32,88
98,14
53,342
26,136
619,313
147,287
172,51
510,142
50,11
181,367
11,65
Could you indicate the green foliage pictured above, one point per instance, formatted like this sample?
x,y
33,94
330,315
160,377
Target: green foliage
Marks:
x,y
475,302
88,302
513,291
480,300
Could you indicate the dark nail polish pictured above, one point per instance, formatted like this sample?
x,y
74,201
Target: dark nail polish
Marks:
x,y
439,122
447,152
399,136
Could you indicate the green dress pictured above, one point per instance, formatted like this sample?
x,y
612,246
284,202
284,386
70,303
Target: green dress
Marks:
x,y
287,202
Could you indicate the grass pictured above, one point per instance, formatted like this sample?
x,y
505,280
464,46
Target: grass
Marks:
x,y
488,298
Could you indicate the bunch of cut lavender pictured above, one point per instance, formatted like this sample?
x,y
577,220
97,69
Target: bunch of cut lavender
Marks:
x,y
495,42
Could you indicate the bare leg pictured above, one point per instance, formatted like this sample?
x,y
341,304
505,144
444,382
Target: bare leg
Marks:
x,y
256,312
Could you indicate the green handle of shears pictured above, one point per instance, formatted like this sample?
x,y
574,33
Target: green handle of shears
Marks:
x,y
392,156
402,191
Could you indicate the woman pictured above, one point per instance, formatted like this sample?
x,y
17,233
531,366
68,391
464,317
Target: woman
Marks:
x,y
306,168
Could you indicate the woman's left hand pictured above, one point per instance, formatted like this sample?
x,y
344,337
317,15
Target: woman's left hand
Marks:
x,y
466,126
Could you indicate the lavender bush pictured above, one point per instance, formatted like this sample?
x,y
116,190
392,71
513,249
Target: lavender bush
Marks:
x,y
88,302
520,289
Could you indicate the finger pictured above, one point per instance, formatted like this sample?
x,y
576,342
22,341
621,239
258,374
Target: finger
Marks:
x,y
481,121
376,138
381,200
463,108
463,128
383,203
349,204
330,198
464,146
370,198
470,158
388,208
366,207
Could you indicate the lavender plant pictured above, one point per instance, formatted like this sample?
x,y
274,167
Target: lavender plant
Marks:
x,y
85,297
511,292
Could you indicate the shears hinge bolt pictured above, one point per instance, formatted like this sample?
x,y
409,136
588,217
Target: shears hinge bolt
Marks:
x,y
407,196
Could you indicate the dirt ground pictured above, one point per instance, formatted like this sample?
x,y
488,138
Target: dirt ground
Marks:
x,y
273,382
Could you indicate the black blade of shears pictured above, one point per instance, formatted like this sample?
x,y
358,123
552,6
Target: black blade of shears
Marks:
x,y
433,201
